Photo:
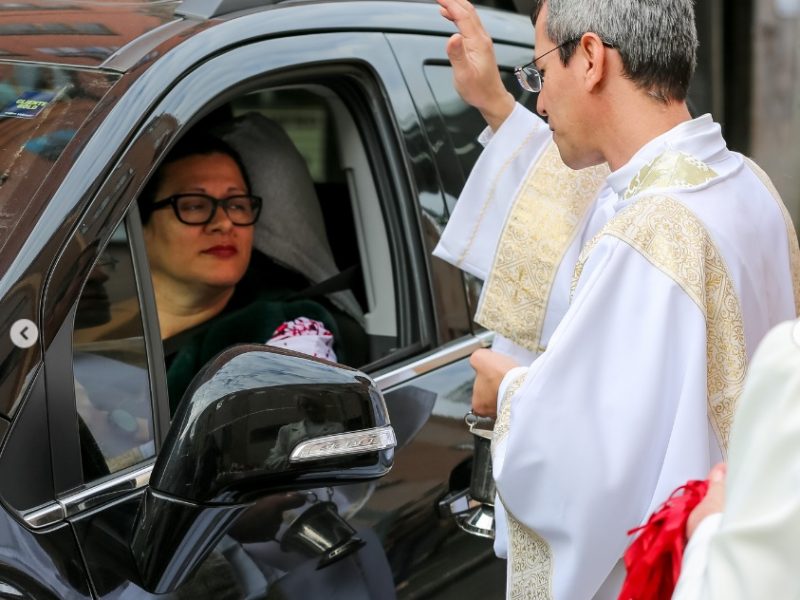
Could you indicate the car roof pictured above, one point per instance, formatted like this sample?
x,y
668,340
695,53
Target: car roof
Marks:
x,y
111,41
117,34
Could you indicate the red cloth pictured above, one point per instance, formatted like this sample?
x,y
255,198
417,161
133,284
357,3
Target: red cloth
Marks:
x,y
653,560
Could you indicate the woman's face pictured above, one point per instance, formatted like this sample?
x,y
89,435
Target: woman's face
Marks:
x,y
214,255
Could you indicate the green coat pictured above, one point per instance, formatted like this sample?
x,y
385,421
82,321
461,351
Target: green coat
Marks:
x,y
252,323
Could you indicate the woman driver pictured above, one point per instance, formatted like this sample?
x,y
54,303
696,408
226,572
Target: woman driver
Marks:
x,y
198,216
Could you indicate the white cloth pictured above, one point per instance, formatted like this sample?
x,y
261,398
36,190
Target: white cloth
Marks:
x,y
751,550
304,335
612,417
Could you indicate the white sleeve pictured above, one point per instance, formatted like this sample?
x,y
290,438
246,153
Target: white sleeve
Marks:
x,y
610,419
487,134
754,554
692,582
510,378
473,230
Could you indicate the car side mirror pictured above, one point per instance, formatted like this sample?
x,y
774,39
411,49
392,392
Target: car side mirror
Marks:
x,y
255,421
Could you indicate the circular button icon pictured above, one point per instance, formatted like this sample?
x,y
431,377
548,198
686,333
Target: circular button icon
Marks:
x,y
24,333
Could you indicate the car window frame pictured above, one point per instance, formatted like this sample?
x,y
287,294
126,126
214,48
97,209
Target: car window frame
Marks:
x,y
153,139
111,204
386,102
61,399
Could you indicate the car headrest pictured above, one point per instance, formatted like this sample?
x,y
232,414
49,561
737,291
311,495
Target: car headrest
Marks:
x,y
291,229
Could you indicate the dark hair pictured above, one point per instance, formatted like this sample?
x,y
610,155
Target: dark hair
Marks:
x,y
192,144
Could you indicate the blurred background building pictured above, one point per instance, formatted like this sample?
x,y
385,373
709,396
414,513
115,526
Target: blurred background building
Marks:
x,y
748,79
774,108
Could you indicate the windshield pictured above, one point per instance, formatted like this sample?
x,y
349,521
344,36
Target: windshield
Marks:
x,y
41,109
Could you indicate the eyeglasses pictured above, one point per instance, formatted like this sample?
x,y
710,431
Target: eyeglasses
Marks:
x,y
199,209
530,78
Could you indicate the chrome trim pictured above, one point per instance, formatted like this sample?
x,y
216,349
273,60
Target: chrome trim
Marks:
x,y
440,358
344,444
479,521
89,498
52,513
172,499
105,491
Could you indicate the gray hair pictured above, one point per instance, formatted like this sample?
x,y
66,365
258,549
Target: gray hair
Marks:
x,y
657,39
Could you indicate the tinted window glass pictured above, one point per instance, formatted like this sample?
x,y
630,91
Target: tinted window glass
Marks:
x,y
41,109
464,123
112,387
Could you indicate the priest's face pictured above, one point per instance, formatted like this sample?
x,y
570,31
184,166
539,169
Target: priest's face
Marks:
x,y
564,100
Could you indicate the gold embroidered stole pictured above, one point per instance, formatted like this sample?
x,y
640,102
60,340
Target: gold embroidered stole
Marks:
x,y
530,563
542,223
676,170
544,220
530,560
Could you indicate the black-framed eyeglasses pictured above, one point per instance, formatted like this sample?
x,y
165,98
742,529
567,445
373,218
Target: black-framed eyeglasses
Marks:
x,y
199,209
530,78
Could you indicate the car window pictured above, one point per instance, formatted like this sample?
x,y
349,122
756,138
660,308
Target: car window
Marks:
x,y
464,123
320,247
112,387
342,223
41,109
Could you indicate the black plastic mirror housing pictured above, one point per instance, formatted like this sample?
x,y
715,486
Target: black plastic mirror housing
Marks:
x,y
266,418
255,421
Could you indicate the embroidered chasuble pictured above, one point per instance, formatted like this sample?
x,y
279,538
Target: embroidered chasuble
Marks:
x,y
675,241
670,238
633,301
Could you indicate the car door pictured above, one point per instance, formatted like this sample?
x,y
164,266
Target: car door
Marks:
x,y
416,315
105,383
443,560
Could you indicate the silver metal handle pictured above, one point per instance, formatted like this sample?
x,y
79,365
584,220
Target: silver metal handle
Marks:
x,y
480,426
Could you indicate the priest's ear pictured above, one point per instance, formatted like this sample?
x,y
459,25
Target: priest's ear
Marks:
x,y
594,53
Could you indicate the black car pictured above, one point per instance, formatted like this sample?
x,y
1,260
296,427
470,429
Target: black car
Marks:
x,y
104,493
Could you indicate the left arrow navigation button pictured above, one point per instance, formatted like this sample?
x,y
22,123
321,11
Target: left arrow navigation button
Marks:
x,y
24,333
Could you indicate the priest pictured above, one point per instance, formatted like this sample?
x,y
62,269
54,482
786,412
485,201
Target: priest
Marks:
x,y
631,264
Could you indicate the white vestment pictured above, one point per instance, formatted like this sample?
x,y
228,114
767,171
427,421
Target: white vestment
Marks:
x,y
638,299
751,550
